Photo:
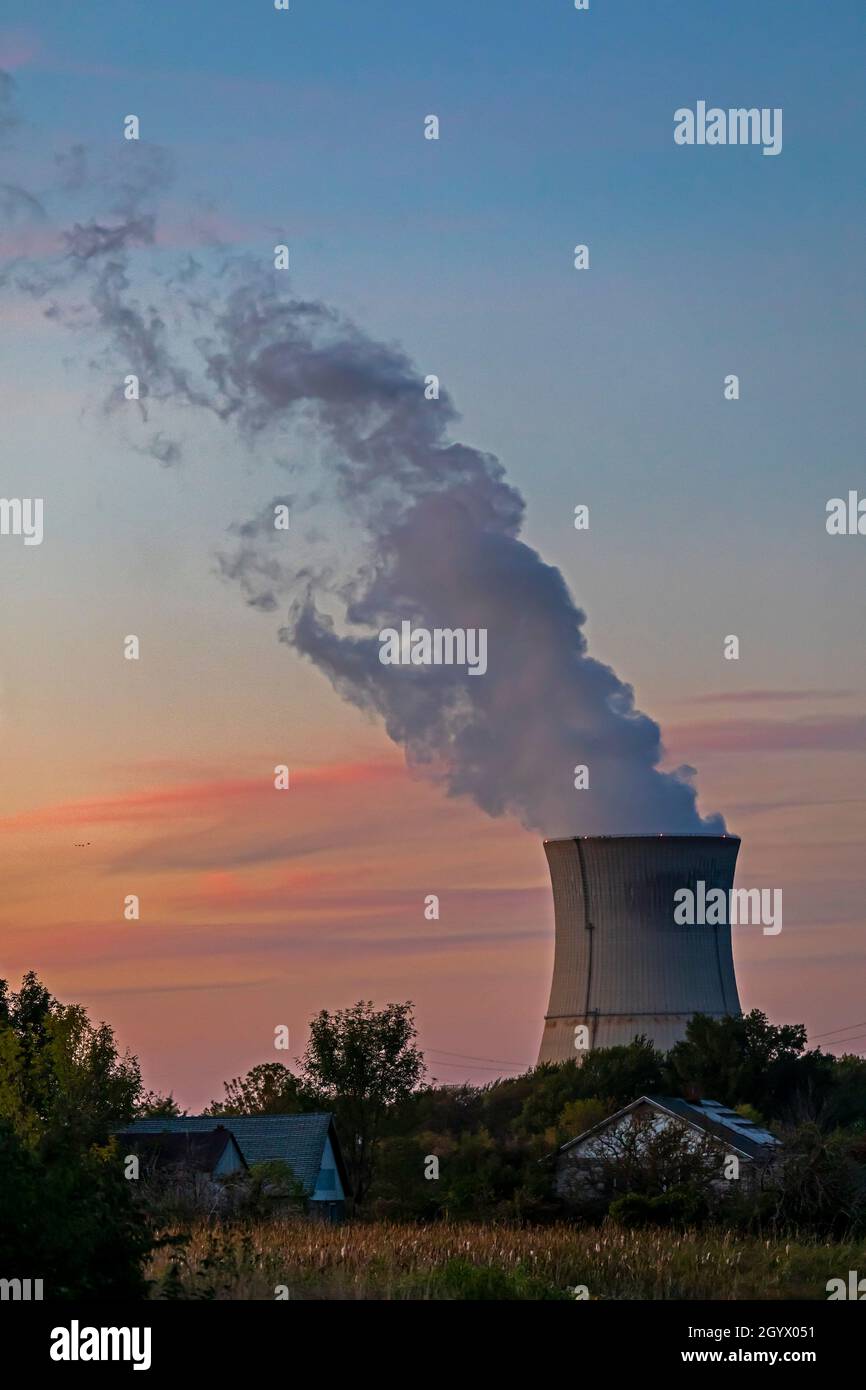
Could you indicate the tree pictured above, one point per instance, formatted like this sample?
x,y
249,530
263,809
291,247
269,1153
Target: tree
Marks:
x,y
846,1104
267,1089
67,1214
616,1075
817,1186
578,1116
72,1222
63,1083
153,1106
270,1183
748,1060
364,1062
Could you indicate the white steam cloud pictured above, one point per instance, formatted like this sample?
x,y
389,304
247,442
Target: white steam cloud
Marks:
x,y
439,523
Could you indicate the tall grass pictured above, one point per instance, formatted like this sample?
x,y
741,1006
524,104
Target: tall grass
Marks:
x,y
387,1260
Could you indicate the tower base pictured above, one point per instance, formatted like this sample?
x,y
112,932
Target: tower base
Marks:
x,y
609,1030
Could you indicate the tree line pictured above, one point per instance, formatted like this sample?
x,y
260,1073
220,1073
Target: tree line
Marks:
x,y
65,1087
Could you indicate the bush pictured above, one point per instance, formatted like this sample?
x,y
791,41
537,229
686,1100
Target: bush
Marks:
x,y
680,1207
818,1186
71,1222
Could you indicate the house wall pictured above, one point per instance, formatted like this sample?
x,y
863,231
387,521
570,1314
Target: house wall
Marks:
x,y
230,1162
570,1178
328,1186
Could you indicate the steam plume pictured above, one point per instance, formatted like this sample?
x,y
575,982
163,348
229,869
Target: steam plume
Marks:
x,y
439,526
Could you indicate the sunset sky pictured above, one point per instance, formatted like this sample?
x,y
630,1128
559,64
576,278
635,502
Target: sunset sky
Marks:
x,y
602,387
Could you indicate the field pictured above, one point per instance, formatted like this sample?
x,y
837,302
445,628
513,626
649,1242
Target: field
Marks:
x,y
461,1261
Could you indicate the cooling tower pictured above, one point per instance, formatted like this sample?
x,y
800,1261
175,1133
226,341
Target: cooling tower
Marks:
x,y
622,965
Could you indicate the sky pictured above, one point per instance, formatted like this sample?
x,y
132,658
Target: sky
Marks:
x,y
602,387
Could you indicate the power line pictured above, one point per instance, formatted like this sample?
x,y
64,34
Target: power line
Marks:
x,y
469,1066
440,1052
841,1042
843,1029
473,1063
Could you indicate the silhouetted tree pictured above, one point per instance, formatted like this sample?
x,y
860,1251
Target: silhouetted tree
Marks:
x,y
748,1060
362,1061
63,1083
153,1106
267,1089
71,1222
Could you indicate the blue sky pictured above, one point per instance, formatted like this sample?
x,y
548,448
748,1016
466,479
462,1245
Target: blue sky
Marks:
x,y
556,128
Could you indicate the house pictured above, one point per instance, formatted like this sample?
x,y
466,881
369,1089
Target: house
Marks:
x,y
712,1132
190,1165
307,1143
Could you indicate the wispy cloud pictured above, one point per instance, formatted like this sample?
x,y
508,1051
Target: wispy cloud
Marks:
x,y
197,798
840,733
742,697
341,892
514,917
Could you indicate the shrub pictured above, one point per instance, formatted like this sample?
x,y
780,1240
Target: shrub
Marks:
x,y
681,1207
71,1222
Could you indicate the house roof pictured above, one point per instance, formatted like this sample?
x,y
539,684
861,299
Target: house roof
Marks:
x,y
200,1150
709,1116
298,1140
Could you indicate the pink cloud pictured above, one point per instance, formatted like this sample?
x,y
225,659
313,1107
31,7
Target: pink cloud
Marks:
x,y
199,798
740,697
839,733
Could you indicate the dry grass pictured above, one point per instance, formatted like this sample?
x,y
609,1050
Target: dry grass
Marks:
x,y
457,1260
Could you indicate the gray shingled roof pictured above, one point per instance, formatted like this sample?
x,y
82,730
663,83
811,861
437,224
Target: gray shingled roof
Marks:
x,y
298,1140
200,1150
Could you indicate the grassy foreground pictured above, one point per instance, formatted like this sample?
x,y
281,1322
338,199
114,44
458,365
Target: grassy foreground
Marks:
x,y
461,1261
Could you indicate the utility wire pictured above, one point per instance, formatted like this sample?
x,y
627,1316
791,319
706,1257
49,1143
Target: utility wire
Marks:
x,y
842,1042
473,1063
469,1066
843,1029
468,1056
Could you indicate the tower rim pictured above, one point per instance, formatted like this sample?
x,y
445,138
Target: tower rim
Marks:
x,y
648,839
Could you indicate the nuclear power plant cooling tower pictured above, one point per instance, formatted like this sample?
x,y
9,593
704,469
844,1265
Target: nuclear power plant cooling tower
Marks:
x,y
622,965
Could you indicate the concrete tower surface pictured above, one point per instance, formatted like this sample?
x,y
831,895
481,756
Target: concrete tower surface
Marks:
x,y
622,965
